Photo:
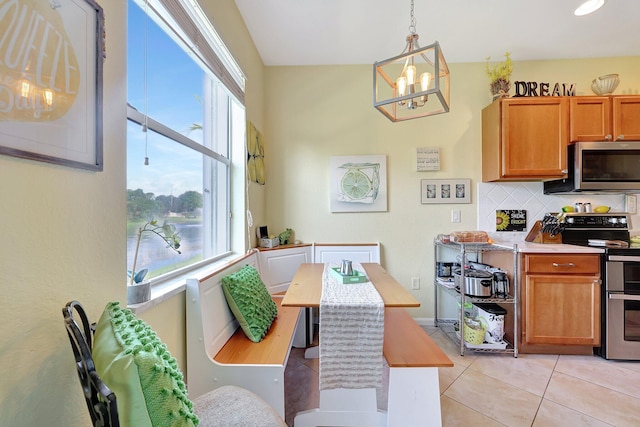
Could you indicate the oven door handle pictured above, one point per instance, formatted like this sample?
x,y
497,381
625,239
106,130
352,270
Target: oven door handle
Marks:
x,y
623,258
625,297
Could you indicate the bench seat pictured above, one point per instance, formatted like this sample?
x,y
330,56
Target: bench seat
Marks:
x,y
407,345
218,352
414,359
272,350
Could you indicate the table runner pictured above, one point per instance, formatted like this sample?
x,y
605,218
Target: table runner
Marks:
x,y
351,333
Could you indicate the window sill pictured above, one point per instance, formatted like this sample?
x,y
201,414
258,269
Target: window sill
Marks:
x,y
167,289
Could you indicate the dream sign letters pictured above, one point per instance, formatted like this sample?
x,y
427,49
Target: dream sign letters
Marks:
x,y
542,89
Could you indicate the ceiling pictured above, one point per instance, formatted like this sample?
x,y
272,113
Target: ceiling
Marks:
x,y
317,32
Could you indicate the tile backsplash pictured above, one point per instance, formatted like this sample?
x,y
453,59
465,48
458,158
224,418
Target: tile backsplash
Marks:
x,y
529,196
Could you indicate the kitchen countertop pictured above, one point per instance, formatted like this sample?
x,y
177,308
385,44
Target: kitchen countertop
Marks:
x,y
528,247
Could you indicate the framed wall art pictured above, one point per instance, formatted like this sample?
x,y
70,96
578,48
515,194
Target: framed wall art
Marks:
x,y
358,183
445,191
51,82
255,155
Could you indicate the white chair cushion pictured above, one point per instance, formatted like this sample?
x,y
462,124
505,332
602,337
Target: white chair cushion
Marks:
x,y
231,406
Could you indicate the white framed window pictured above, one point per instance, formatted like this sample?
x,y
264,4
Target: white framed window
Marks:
x,y
179,169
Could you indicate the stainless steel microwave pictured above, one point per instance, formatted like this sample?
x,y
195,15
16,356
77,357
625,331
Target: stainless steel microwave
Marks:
x,y
597,167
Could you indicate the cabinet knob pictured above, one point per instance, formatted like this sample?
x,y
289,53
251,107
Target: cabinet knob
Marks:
x,y
565,171
569,264
609,137
620,138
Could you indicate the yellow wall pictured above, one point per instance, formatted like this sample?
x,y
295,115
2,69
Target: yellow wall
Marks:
x,y
63,238
63,234
314,113
63,229
229,24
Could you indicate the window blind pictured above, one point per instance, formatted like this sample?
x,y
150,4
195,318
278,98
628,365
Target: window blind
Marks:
x,y
191,21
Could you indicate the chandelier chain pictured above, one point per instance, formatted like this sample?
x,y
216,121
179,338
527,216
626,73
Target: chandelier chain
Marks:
x,y
412,26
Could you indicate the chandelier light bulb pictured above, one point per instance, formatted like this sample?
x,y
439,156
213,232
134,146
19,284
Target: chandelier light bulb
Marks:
x,y
401,84
411,75
425,79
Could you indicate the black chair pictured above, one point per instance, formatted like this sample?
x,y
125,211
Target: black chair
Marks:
x,y
226,406
101,401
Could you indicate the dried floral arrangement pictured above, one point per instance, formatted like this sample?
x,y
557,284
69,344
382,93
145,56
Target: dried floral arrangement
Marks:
x,y
499,76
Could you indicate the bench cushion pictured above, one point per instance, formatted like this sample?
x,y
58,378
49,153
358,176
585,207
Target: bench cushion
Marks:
x,y
139,369
250,302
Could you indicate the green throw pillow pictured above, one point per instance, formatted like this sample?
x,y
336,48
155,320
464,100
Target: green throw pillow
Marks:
x,y
138,368
250,302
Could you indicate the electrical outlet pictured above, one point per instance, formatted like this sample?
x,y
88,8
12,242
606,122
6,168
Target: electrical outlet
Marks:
x,y
415,283
455,215
631,203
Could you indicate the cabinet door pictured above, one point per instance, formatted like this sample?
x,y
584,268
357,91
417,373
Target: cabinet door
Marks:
x,y
561,309
535,137
626,118
590,118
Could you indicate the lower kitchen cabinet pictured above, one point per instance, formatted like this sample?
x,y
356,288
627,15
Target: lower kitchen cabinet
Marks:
x,y
560,302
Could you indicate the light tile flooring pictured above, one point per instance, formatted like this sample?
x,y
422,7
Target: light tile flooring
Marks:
x,y
499,390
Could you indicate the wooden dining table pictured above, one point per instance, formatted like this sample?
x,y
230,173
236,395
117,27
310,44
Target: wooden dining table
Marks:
x,y
346,407
305,289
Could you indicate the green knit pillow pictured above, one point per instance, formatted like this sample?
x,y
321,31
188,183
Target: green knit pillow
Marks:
x,y
138,368
250,302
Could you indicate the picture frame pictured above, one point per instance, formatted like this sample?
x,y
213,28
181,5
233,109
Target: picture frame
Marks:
x,y
53,107
445,191
358,183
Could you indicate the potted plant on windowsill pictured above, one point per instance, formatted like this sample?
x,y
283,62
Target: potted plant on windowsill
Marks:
x,y
138,290
499,77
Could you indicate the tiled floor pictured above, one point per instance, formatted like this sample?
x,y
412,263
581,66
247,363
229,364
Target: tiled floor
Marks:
x,y
500,390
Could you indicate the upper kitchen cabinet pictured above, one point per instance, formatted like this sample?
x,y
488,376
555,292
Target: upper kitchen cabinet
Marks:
x,y
525,139
604,118
590,118
626,118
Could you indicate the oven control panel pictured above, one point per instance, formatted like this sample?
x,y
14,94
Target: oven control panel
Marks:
x,y
597,221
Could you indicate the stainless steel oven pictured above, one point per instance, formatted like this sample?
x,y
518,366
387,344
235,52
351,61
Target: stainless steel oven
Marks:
x,y
621,307
620,291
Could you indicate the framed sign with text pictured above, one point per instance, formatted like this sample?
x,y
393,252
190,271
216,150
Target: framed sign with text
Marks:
x,y
511,220
51,81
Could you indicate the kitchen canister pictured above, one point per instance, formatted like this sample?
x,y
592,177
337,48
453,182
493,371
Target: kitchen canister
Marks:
x,y
492,316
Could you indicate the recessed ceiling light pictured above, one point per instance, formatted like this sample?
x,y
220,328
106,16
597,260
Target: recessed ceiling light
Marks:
x,y
588,7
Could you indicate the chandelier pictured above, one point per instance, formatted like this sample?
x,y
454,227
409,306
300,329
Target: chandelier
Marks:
x,y
413,84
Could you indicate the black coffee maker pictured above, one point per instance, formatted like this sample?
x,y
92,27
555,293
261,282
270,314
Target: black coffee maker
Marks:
x,y
500,284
